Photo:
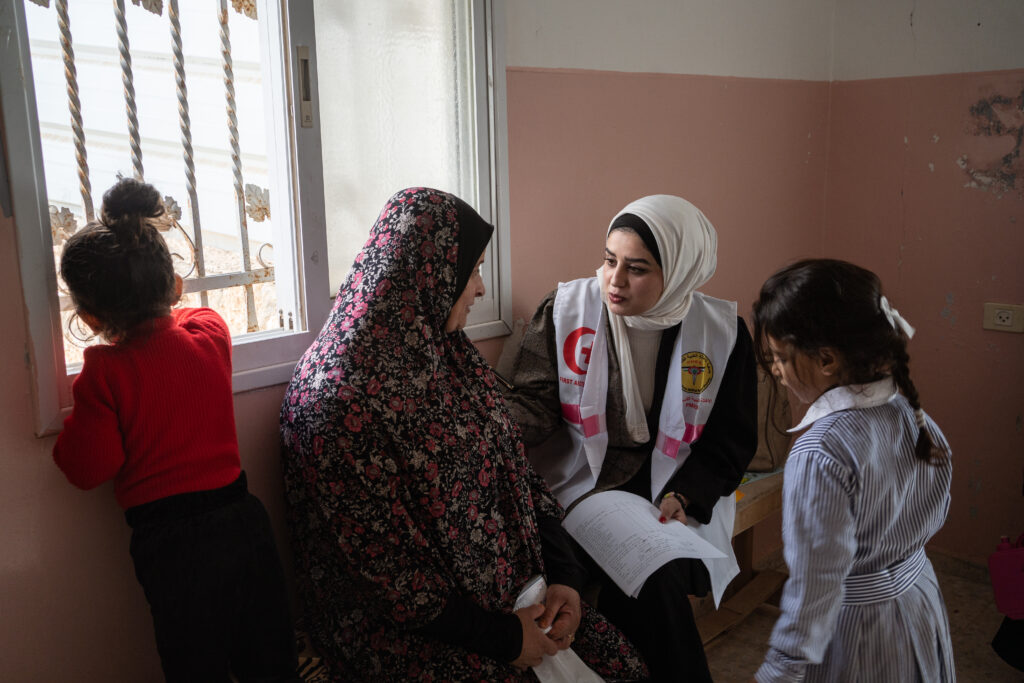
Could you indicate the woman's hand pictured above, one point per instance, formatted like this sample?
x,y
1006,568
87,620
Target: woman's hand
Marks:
x,y
562,612
535,643
671,508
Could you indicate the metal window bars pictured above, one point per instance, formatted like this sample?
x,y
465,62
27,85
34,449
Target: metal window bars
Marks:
x,y
251,200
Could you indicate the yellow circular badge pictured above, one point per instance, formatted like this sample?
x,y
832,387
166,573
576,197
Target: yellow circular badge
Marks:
x,y
696,372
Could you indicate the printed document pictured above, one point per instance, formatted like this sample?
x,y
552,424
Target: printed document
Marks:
x,y
622,533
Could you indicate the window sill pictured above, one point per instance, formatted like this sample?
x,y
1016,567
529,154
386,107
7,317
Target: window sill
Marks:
x,y
488,330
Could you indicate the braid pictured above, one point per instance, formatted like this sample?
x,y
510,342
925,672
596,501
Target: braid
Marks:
x,y
924,449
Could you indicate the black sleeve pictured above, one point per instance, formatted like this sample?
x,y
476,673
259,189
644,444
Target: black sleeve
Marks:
x,y
463,623
560,562
729,440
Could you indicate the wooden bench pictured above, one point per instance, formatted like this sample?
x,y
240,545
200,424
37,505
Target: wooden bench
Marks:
x,y
762,497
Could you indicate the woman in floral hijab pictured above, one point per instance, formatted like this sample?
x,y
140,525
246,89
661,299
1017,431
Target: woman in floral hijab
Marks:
x,y
415,517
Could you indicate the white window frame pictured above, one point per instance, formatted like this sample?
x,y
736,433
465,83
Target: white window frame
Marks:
x,y
492,317
264,358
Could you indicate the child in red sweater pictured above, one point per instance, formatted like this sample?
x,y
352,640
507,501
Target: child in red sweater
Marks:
x,y
153,410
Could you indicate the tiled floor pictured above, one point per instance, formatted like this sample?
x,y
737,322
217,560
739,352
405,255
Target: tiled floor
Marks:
x,y
736,655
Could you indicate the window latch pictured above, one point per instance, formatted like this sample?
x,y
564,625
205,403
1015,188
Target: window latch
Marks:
x,y
305,89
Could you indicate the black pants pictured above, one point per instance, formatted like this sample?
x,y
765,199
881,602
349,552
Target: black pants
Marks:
x,y
211,573
660,620
1009,642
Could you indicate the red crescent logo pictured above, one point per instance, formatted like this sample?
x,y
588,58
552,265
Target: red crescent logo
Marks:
x,y
569,350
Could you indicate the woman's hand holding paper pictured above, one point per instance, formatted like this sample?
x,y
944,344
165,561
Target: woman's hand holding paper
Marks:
x,y
672,508
562,613
535,643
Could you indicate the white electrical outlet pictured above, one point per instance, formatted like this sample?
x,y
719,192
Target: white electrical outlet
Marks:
x,y
1003,317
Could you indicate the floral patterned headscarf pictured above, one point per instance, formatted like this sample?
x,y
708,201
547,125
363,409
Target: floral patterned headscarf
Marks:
x,y
404,471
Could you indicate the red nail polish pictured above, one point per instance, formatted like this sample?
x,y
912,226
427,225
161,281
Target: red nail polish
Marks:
x,y
662,519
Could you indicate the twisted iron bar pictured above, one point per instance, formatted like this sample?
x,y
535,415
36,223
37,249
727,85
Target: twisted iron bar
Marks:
x,y
75,106
236,159
129,87
186,143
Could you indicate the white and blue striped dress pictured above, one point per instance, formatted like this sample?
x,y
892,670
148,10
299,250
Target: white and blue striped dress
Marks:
x,y
862,602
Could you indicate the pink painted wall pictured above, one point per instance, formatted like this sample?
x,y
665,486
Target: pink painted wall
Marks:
x,y
582,144
897,203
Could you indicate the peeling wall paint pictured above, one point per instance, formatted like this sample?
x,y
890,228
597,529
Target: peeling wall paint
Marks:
x,y
997,116
942,251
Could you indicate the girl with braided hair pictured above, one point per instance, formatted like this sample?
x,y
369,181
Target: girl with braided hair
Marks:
x,y
153,411
866,485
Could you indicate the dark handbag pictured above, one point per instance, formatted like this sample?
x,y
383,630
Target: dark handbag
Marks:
x,y
1006,569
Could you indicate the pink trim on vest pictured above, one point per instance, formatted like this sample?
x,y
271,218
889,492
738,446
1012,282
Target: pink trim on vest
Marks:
x,y
572,413
670,446
667,445
592,425
692,432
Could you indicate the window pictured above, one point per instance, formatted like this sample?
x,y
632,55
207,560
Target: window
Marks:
x,y
405,101
399,93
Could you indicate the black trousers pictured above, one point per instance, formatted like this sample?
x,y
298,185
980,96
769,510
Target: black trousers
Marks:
x,y
1009,642
659,621
209,566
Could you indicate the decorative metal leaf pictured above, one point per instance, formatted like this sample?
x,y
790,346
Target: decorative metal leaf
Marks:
x,y
169,218
257,203
63,224
154,6
171,207
246,7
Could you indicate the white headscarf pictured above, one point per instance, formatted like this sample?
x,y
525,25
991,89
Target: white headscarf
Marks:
x,y
688,246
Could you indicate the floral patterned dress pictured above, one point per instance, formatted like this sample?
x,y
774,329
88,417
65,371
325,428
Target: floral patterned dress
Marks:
x,y
405,476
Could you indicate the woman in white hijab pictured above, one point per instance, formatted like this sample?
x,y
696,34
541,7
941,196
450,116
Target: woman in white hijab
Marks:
x,y
633,380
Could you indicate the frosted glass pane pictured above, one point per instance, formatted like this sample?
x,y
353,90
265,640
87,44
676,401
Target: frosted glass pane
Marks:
x,y
396,109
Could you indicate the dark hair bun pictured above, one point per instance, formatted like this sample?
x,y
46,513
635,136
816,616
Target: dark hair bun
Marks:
x,y
126,205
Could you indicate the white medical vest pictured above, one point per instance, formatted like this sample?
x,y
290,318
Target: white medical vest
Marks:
x,y
571,460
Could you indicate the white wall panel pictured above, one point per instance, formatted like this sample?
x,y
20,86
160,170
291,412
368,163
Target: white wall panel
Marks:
x,y
753,38
887,38
790,39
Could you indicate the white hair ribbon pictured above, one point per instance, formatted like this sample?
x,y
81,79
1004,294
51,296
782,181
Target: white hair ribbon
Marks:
x,y
897,321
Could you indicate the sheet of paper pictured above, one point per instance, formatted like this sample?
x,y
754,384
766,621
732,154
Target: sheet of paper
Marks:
x,y
622,533
564,665
533,592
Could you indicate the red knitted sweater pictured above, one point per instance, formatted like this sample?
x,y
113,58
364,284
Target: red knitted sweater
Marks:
x,y
155,413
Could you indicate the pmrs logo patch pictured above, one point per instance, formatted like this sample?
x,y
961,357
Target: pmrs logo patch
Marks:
x,y
696,372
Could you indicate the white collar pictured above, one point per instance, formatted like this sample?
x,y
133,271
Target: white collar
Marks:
x,y
847,397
